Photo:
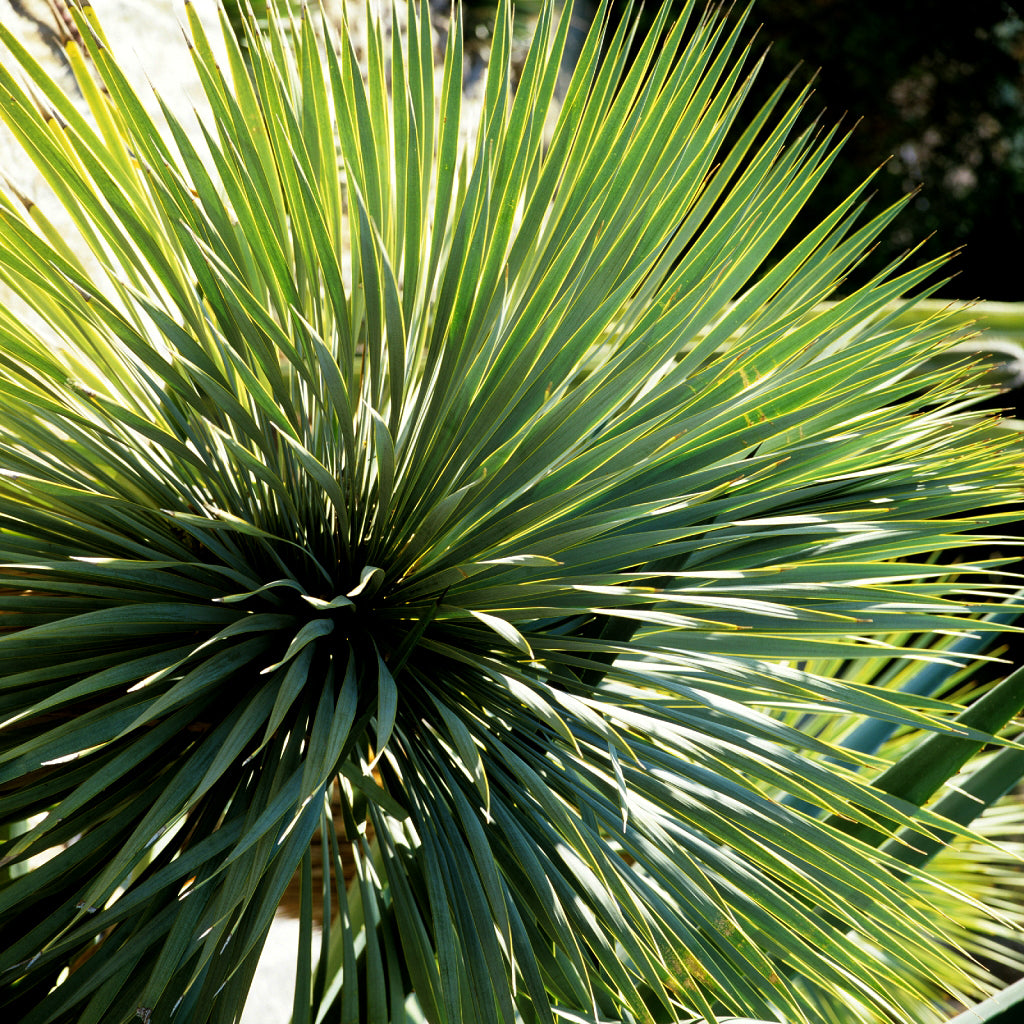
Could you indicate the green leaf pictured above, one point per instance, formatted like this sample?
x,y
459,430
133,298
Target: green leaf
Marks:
x,y
532,507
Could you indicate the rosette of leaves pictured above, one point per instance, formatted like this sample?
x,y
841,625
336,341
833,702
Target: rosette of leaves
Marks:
x,y
500,492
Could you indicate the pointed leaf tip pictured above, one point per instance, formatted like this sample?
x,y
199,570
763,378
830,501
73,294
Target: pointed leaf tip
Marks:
x,y
505,630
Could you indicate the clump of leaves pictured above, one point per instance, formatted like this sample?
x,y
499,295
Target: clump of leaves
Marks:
x,y
504,491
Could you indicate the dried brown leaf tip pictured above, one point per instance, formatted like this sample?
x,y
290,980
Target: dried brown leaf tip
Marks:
x,y
64,22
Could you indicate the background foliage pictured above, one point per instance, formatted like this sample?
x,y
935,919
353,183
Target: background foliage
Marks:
x,y
938,92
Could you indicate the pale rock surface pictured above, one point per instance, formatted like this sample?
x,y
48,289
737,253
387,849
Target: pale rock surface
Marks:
x,y
149,40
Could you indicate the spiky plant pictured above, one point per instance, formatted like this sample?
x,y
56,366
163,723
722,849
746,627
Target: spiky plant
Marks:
x,y
503,492
986,868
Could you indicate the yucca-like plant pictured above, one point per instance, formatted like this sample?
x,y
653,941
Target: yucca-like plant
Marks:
x,y
987,868
509,496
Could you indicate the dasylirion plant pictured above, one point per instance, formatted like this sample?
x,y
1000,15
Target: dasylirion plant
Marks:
x,y
493,513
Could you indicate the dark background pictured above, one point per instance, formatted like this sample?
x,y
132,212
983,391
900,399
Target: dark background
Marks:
x,y
938,90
